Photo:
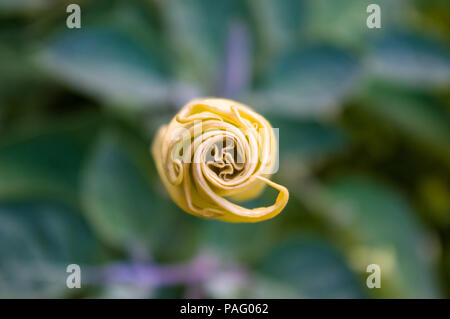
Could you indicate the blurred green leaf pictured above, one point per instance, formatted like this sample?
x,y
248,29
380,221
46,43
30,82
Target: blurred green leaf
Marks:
x,y
411,59
119,201
280,23
308,140
420,118
109,65
126,209
434,193
45,165
343,22
313,268
38,240
244,242
197,31
17,72
308,82
384,231
12,6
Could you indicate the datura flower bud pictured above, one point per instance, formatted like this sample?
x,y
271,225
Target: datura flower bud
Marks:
x,y
215,152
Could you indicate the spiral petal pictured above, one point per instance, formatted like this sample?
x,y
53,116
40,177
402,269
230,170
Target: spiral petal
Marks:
x,y
216,151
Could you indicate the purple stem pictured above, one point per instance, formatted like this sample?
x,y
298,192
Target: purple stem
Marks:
x,y
236,72
149,274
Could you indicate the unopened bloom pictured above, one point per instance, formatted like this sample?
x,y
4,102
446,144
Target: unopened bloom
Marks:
x,y
214,153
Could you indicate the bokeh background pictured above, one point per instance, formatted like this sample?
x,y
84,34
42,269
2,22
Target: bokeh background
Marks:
x,y
364,122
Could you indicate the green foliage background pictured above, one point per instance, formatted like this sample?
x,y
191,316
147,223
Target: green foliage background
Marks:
x,y
364,123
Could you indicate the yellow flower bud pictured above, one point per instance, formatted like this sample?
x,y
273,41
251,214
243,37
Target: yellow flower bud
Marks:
x,y
215,152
